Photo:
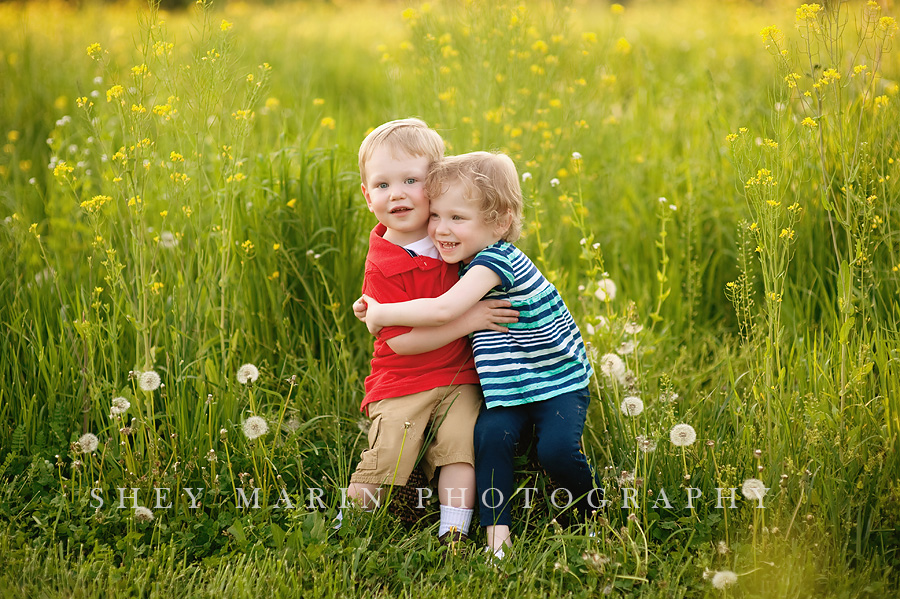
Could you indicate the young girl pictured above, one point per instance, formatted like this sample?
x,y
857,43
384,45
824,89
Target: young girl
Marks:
x,y
535,374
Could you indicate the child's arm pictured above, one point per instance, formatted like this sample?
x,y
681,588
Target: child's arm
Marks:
x,y
487,314
437,311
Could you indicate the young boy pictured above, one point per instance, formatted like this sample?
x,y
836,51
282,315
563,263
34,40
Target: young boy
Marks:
x,y
536,374
438,386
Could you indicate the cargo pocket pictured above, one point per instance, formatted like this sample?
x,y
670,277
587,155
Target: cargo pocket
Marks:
x,y
369,458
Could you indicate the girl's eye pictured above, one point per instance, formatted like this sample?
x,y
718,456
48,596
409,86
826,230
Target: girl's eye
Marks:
x,y
410,181
382,186
434,216
457,218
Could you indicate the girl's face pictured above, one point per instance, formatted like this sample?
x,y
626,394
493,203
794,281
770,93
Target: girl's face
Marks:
x,y
457,227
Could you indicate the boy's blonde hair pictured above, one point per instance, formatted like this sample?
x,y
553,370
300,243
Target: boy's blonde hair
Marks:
x,y
410,136
490,178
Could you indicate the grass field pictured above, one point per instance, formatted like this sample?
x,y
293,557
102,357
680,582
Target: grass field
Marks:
x,y
711,185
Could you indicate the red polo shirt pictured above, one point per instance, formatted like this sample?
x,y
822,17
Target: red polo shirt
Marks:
x,y
392,275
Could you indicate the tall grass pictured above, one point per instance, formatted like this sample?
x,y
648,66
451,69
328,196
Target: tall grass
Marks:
x,y
180,196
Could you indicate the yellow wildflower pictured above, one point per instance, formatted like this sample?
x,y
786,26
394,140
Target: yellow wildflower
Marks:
x,y
328,122
623,46
94,50
292,202
225,25
889,25
809,122
616,9
115,91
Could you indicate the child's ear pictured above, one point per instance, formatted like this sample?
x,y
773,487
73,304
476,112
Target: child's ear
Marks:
x,y
503,224
366,195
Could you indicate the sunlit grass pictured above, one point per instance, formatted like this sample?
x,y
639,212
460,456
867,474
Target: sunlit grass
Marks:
x,y
183,198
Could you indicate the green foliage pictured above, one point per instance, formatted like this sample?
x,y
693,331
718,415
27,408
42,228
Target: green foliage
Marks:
x,y
180,196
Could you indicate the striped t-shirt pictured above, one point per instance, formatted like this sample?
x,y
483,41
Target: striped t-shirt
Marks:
x,y
542,355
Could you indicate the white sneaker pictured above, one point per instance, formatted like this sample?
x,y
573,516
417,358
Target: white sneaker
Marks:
x,y
495,554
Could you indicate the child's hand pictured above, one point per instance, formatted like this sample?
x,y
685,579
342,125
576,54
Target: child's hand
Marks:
x,y
359,309
490,315
371,315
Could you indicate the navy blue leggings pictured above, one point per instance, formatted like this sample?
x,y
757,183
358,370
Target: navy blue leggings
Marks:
x,y
558,424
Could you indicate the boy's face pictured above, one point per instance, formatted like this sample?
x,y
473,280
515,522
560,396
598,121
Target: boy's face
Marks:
x,y
395,193
457,227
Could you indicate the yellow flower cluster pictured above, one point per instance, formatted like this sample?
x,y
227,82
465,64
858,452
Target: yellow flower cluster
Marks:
x,y
62,170
116,91
95,203
94,51
763,178
808,12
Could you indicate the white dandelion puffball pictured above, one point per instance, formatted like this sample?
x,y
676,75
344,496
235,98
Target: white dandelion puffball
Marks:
x,y
626,348
632,406
167,240
88,443
633,328
606,290
723,579
142,514
120,405
612,366
526,177
248,373
753,488
645,444
255,427
149,381
683,435
576,156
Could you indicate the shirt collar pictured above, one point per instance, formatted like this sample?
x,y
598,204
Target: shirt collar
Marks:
x,y
391,259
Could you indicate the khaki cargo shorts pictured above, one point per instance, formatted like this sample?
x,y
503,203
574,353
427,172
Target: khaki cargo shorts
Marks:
x,y
441,420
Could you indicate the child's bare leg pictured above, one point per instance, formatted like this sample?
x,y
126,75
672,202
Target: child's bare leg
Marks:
x,y
456,491
362,494
456,486
498,536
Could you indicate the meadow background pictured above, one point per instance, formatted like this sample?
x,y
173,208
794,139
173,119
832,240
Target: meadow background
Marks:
x,y
179,195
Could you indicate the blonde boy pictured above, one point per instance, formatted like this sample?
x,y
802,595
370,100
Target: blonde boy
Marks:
x,y
425,377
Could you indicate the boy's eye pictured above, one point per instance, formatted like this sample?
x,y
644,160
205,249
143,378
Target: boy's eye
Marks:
x,y
410,181
433,216
382,186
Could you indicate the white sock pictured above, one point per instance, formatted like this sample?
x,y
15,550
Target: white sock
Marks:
x,y
459,518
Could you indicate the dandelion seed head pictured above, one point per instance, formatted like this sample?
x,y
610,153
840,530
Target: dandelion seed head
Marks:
x,y
626,348
248,373
723,579
753,488
88,443
142,514
633,328
632,406
554,182
606,290
576,156
612,366
682,435
646,444
255,427
120,405
149,381
167,240
526,177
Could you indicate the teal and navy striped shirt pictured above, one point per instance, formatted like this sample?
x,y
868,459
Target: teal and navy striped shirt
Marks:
x,y
542,355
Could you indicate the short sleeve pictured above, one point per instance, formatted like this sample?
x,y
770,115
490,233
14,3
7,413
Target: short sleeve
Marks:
x,y
385,290
496,259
